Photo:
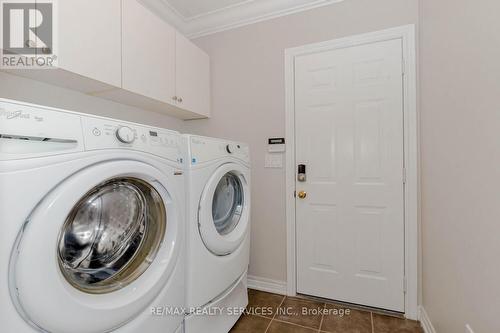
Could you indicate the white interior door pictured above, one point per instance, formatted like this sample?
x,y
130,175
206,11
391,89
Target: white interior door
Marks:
x,y
349,134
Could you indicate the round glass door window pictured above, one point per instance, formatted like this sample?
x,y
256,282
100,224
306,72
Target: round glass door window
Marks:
x,y
112,235
227,205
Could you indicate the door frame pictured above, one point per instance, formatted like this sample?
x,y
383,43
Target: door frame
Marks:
x,y
411,153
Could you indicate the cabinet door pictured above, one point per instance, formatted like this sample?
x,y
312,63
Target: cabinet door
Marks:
x,y
192,77
148,53
90,39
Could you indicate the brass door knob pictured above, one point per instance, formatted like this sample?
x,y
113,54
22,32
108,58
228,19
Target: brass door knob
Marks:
x,y
302,195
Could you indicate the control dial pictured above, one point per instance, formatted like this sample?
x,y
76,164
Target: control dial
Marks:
x,y
232,148
125,134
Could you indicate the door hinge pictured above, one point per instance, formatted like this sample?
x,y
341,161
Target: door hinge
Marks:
x,y
403,70
404,175
405,285
294,194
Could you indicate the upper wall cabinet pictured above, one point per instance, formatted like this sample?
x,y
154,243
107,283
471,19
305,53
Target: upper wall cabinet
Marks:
x,y
192,69
148,53
90,39
122,51
161,70
88,47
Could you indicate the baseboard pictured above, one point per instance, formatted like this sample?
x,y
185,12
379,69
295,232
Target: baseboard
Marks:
x,y
425,321
268,285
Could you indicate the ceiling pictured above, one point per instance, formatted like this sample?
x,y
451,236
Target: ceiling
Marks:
x,y
196,18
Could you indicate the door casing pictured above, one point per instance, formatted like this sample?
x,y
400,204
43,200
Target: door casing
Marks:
x,y
411,152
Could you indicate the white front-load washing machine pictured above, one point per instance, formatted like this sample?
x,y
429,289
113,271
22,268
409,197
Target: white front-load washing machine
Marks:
x,y
92,214
218,232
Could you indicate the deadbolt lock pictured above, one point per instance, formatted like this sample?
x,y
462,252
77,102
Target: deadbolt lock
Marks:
x,y
302,195
301,173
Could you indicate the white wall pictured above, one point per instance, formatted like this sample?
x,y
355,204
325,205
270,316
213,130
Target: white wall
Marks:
x,y
460,146
22,89
248,100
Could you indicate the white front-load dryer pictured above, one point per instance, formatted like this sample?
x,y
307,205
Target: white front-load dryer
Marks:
x,y
92,214
218,232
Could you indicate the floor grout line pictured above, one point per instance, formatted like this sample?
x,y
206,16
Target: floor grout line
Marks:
x,y
322,317
371,319
258,315
294,324
275,313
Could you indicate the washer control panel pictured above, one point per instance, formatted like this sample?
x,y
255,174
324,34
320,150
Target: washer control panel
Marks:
x,y
101,133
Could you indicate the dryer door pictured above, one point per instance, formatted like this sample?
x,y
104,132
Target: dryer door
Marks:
x,y
98,249
224,209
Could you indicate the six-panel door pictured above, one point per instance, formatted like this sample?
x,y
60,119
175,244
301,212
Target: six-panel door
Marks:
x,y
349,134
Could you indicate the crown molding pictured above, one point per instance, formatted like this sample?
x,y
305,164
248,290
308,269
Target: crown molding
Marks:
x,y
233,16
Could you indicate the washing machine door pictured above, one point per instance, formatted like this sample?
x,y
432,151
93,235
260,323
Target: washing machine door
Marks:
x,y
224,209
98,249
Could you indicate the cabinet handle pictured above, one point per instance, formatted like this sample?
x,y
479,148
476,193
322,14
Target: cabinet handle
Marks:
x,y
180,99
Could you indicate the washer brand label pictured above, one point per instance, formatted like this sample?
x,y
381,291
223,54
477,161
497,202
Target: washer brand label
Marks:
x,y
18,114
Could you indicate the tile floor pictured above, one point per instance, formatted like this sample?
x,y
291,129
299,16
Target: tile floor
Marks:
x,y
271,313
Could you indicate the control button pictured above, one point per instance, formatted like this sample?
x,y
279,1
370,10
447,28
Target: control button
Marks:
x,y
125,134
144,138
96,131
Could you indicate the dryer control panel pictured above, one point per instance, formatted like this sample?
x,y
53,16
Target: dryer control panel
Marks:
x,y
204,149
102,133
